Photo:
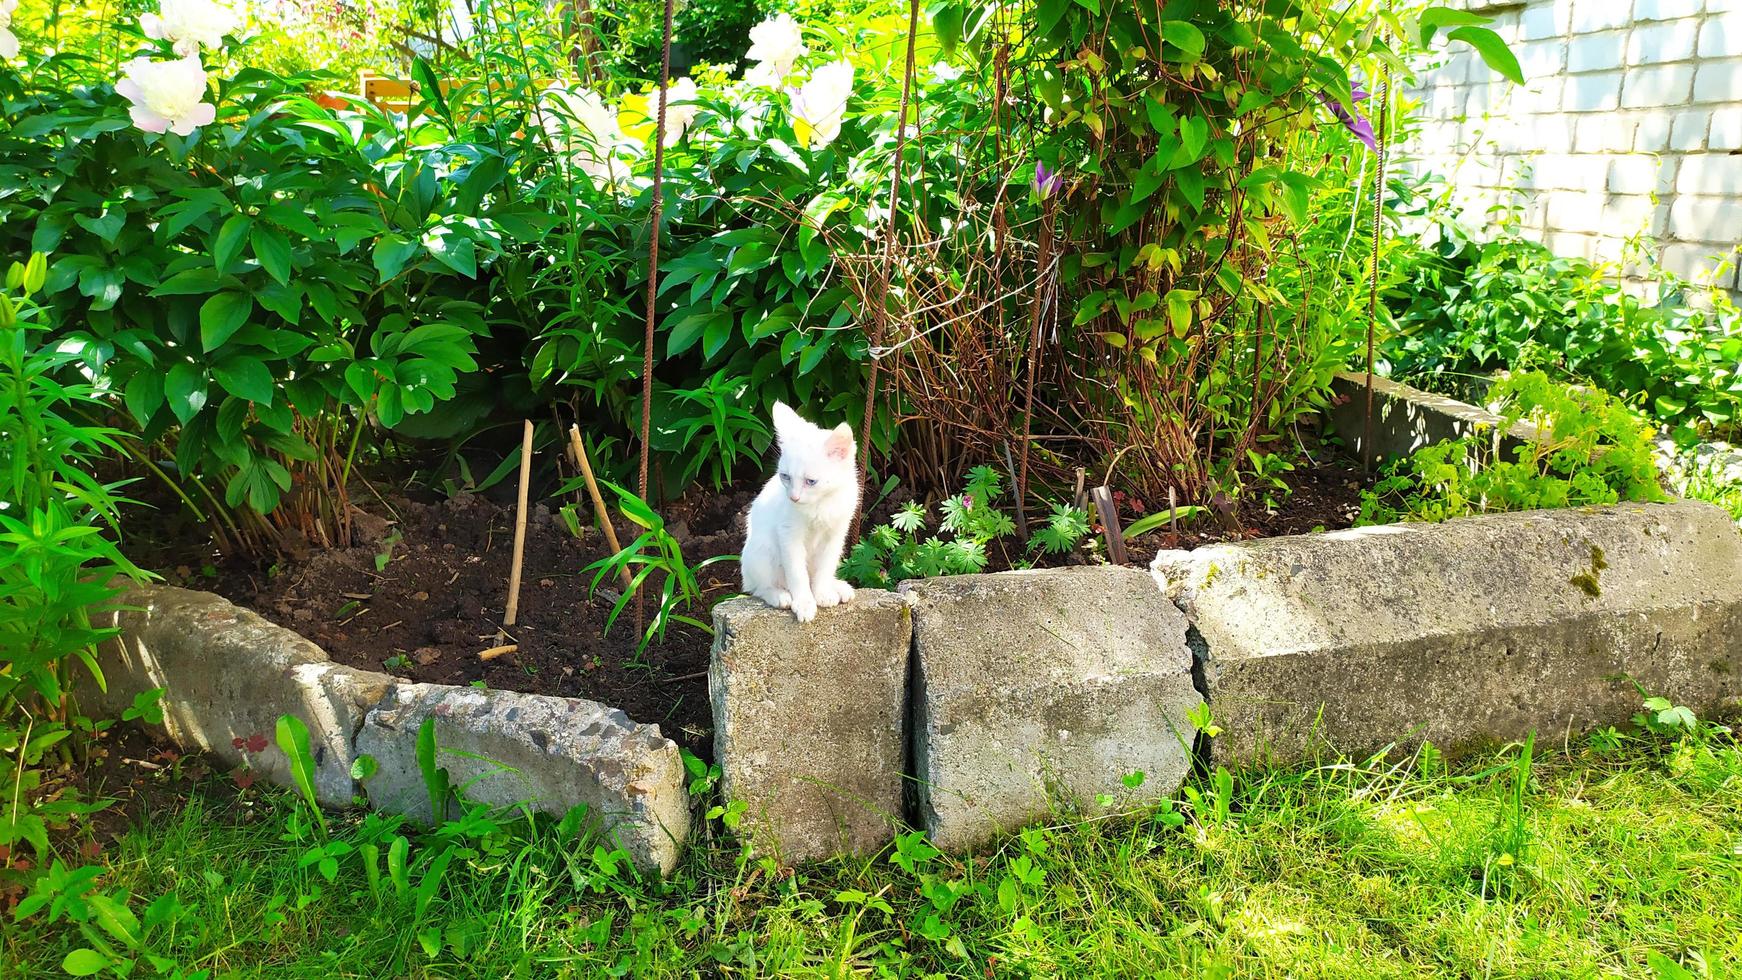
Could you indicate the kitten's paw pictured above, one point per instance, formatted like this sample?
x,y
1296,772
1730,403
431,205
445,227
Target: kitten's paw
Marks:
x,y
825,594
843,593
804,608
778,598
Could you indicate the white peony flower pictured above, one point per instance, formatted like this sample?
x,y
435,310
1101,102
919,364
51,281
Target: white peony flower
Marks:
x,y
167,94
8,40
191,24
775,45
579,121
679,112
821,103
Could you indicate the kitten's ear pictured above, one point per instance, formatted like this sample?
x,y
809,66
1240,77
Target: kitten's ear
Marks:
x,y
839,445
787,424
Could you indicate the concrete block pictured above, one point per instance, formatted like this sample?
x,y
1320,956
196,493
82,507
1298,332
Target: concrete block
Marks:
x,y
1712,174
1596,92
1649,10
547,753
1652,133
1596,52
1640,174
1721,37
1659,43
1406,419
1576,211
1465,633
809,722
1726,131
1706,219
1718,81
1657,86
1698,261
1590,16
1688,131
1604,132
1044,687
228,674
1543,20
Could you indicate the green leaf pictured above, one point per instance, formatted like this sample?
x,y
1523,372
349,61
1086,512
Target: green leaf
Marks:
x,y
84,963
1434,18
392,251
292,738
227,244
221,316
1185,37
185,390
273,251
144,395
245,377
1492,49
1194,132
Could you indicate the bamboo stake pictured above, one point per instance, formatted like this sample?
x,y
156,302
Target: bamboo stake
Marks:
x,y
579,448
519,528
1110,526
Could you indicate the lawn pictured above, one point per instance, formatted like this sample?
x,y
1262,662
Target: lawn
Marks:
x,y
1615,856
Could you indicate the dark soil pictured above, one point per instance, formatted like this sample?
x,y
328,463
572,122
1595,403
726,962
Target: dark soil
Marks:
x,y
427,596
435,601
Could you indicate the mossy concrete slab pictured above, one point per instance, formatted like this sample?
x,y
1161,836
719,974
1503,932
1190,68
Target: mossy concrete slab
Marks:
x,y
1041,691
1466,632
809,722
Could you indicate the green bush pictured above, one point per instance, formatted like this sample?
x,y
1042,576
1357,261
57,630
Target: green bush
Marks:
x,y
1470,307
1591,449
58,560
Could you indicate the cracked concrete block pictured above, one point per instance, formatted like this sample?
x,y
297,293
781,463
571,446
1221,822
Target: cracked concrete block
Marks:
x,y
549,753
1036,689
228,674
1467,632
809,722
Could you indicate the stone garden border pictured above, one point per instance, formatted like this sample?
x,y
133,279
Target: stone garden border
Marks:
x,y
228,674
973,705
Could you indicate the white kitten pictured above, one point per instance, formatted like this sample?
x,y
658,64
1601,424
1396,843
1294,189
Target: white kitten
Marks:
x,y
798,524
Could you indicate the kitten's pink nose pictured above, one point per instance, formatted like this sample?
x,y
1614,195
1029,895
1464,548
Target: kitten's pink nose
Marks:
x,y
792,497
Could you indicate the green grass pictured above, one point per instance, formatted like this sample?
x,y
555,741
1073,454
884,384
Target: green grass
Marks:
x,y
1579,862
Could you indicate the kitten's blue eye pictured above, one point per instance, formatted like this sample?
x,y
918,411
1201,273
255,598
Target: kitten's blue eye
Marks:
x,y
810,481
786,477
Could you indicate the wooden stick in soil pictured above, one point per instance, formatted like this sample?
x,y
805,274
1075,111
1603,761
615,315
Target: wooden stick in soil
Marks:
x,y
1110,526
579,448
519,528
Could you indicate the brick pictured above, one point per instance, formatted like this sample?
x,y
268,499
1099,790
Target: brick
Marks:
x,y
1721,37
1603,133
1671,41
1689,130
1624,215
1718,81
1651,88
1717,174
1575,211
1705,219
1699,262
1640,174
1596,52
1599,92
1542,20
1541,58
1652,133
1590,16
1726,131
1648,10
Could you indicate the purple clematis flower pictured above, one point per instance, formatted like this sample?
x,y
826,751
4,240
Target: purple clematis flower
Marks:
x,y
1352,120
1047,182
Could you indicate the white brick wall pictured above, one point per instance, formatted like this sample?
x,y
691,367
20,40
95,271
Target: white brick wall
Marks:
x,y
1629,121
